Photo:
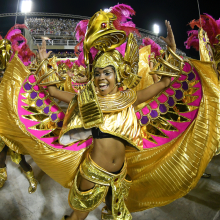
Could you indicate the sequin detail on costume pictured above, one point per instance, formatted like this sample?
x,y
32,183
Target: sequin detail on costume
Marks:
x,y
172,111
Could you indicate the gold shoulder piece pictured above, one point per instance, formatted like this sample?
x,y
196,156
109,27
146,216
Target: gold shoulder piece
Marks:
x,y
89,107
169,64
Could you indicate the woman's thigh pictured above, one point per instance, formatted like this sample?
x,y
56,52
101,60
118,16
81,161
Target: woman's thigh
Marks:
x,y
85,184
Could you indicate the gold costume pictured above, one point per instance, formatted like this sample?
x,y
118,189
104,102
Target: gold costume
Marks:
x,y
159,174
89,200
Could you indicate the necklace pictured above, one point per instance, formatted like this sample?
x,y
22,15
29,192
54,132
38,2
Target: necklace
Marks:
x,y
117,101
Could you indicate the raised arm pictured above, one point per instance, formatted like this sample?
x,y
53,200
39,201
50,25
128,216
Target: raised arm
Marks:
x,y
61,95
169,40
151,91
53,91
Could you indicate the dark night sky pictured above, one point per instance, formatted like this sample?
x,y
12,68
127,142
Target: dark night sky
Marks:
x,y
178,12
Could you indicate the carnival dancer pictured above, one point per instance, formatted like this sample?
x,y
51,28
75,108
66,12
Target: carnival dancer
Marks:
x,y
8,47
108,153
163,144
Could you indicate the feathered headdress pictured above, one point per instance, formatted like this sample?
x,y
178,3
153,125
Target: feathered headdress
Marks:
x,y
19,44
123,22
212,28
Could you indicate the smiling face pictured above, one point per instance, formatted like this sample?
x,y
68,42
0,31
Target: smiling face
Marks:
x,y
105,80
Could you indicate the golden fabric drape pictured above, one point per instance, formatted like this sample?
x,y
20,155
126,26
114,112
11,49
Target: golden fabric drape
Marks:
x,y
162,174
59,164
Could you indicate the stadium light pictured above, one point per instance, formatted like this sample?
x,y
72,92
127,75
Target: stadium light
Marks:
x,y
26,6
156,29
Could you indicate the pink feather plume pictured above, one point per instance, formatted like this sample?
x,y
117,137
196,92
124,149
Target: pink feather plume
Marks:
x,y
209,24
21,26
123,13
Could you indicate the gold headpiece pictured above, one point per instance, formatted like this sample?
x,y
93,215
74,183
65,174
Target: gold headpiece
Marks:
x,y
102,35
110,58
126,68
5,55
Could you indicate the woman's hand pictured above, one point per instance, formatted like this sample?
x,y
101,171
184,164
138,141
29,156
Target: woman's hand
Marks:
x,y
166,80
42,51
169,40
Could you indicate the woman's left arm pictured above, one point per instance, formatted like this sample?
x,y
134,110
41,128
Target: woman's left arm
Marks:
x,y
151,91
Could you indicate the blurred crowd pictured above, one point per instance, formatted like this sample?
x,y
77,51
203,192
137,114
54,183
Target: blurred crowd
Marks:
x,y
55,26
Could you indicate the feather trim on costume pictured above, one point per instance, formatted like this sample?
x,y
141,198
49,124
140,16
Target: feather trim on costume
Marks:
x,y
19,44
192,40
80,31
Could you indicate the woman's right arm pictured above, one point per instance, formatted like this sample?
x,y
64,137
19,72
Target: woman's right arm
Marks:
x,y
53,91
61,95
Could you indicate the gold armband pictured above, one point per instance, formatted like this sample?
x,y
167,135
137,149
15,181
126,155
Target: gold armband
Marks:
x,y
169,64
47,73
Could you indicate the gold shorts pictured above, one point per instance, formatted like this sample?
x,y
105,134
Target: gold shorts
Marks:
x,y
89,200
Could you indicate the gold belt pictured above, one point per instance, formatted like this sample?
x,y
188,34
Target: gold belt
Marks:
x,y
96,174
89,200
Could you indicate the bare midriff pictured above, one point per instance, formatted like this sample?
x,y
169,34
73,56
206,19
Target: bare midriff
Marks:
x,y
108,153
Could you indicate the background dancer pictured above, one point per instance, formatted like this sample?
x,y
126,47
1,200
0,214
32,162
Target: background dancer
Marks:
x,y
8,47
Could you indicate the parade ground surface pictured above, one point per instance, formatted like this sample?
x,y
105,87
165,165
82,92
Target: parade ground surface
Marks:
x,y
49,202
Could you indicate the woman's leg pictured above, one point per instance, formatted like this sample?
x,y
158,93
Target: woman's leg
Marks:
x,y
84,186
24,165
29,173
3,155
108,199
3,172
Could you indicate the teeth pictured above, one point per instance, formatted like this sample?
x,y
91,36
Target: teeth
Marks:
x,y
103,84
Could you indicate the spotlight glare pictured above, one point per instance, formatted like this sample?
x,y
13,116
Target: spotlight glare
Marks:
x,y
156,29
107,10
26,6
